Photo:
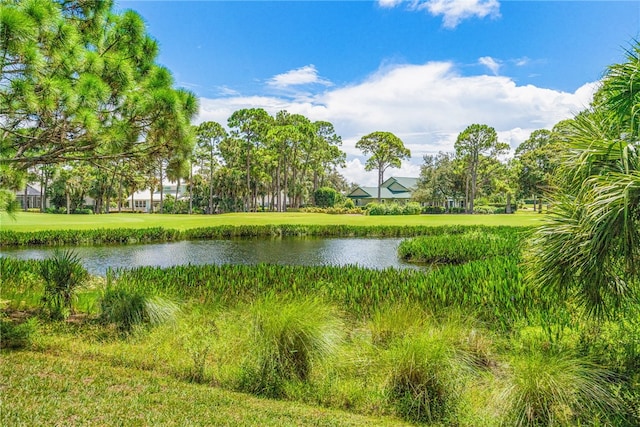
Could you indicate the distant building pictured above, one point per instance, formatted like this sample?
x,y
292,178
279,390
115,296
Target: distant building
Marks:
x,y
33,198
140,201
394,189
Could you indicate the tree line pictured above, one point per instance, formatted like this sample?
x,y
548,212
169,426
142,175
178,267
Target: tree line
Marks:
x,y
478,172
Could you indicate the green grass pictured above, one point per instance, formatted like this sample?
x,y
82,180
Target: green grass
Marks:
x,y
28,221
65,389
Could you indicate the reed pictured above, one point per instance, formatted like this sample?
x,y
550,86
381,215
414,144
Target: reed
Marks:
x,y
472,245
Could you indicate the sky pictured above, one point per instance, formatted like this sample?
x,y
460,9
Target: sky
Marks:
x,y
422,69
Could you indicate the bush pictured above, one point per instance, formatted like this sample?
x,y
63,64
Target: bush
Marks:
x,y
412,208
63,274
483,209
325,197
433,210
376,209
349,204
394,209
83,211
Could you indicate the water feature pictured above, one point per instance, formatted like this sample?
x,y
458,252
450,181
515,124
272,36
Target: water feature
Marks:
x,y
366,252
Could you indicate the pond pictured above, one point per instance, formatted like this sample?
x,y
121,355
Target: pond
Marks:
x,y
378,253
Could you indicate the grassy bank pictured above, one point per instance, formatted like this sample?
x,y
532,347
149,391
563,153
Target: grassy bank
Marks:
x,y
27,221
160,234
61,387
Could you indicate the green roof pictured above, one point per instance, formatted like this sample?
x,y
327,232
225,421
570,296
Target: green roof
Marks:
x,y
406,182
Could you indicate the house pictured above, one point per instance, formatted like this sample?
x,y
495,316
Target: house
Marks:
x,y
33,197
141,200
394,189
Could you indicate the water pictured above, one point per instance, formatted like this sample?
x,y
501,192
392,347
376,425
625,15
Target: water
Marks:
x,y
366,252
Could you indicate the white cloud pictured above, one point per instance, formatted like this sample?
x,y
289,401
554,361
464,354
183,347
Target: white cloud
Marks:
x,y
490,63
389,3
227,91
300,76
426,105
452,11
455,11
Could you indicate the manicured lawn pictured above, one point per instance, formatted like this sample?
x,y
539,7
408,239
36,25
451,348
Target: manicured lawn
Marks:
x,y
36,221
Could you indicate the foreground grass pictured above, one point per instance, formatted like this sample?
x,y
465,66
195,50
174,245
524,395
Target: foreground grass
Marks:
x,y
64,389
28,221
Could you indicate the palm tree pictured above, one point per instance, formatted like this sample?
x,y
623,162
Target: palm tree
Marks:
x,y
589,245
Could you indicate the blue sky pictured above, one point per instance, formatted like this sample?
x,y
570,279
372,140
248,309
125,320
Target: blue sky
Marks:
x,y
422,69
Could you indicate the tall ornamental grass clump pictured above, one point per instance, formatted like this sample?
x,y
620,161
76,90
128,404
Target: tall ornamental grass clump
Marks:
x,y
425,377
128,306
286,338
543,388
63,273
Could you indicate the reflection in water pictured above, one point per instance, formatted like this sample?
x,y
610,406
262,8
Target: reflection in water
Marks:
x,y
365,252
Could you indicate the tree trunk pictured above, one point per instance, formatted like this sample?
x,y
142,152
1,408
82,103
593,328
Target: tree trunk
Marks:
x,y
68,202
508,207
175,203
380,180
211,184
191,189
120,195
474,178
161,190
278,187
25,200
151,188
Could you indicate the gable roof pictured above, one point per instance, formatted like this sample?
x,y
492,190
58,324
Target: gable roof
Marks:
x,y
372,193
32,190
400,184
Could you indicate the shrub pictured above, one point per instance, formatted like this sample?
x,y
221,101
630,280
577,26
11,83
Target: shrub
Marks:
x,y
394,209
349,204
376,209
325,197
63,274
83,211
433,210
287,337
412,208
483,209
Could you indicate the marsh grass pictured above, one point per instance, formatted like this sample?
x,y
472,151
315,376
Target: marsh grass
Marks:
x,y
130,306
543,388
426,374
287,337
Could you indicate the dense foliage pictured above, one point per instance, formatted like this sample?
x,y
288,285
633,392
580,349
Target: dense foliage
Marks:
x,y
79,82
